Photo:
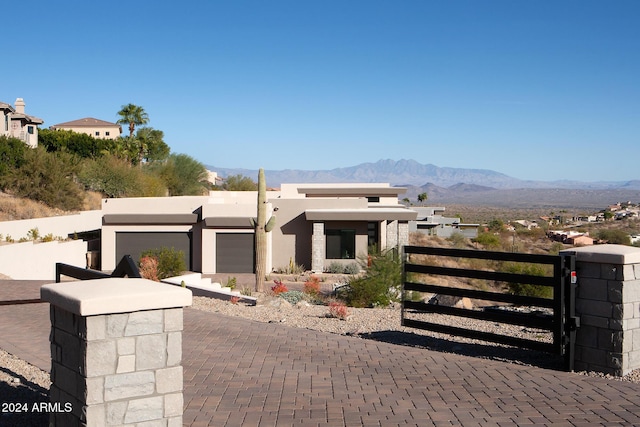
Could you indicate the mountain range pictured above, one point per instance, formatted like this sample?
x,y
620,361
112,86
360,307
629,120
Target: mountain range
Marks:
x,y
459,185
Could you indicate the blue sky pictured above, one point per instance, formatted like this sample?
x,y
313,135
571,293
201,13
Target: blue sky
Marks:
x,y
541,90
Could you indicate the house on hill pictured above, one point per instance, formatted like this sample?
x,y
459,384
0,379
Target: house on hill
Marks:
x,y
17,124
96,128
316,225
431,222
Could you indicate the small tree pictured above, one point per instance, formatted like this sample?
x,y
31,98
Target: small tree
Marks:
x,y
239,183
422,197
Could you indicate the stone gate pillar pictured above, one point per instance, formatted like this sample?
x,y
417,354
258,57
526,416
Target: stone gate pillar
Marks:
x,y
116,352
608,305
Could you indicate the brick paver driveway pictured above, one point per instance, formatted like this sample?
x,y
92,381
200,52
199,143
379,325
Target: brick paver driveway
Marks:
x,y
242,373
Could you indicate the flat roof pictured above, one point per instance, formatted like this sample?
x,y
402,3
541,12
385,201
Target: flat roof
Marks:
x,y
365,214
352,191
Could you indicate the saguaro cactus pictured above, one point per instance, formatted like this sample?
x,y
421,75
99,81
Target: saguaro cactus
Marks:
x,y
262,227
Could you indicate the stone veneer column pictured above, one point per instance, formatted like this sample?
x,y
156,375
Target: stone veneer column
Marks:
x,y
116,352
318,247
608,305
392,234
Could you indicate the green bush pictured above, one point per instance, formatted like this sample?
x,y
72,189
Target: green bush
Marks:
x,y
47,178
488,240
618,237
170,261
379,286
528,290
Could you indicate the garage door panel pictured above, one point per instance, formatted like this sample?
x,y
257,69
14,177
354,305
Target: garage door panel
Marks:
x,y
234,253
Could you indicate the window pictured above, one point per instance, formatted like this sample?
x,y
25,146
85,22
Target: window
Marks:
x,y
372,234
6,123
97,133
30,130
107,133
373,199
341,244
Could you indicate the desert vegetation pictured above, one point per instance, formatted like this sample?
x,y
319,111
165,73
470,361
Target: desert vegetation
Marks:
x,y
66,169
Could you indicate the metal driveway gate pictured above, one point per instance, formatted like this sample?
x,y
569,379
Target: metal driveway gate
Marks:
x,y
562,322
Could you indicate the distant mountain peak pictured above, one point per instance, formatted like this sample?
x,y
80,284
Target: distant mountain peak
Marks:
x,y
411,172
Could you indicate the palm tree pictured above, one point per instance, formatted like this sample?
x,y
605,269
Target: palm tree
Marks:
x,y
133,115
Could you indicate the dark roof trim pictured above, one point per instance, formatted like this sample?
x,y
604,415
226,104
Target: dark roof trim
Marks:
x,y
228,222
352,191
166,219
360,215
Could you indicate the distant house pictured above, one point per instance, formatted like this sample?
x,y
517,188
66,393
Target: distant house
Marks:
x,y
571,238
17,124
432,223
96,128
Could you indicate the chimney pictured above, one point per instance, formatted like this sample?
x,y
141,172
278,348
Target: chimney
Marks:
x,y
20,105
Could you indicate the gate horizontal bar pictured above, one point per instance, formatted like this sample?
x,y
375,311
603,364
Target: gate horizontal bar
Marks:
x,y
480,295
491,255
481,274
544,321
484,336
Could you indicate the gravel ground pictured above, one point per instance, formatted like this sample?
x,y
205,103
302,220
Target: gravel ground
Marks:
x,y
23,383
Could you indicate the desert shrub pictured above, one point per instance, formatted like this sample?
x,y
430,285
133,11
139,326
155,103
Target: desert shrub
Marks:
x,y
292,268
312,286
47,178
338,310
11,156
352,268
149,268
457,240
528,290
555,248
293,297
231,282
618,237
279,287
170,261
112,176
380,284
488,240
33,234
334,268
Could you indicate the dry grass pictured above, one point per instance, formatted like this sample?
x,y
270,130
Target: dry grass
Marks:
x,y
14,208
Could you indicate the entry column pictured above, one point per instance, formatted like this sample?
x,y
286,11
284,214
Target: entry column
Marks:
x,y
116,352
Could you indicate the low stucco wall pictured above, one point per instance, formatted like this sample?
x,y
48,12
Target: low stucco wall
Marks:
x,y
58,226
37,261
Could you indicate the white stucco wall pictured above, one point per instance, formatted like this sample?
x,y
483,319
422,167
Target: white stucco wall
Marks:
x,y
37,261
58,226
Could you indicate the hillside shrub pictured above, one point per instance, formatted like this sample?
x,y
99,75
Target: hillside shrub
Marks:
x,y
617,237
47,178
170,261
489,240
528,290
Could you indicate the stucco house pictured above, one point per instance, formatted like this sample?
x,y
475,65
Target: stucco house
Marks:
x,y
317,224
17,124
96,128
